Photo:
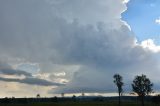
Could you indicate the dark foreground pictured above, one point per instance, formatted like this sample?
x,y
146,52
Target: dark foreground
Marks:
x,y
77,101
80,104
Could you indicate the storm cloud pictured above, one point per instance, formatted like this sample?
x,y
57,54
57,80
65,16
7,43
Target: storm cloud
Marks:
x,y
88,38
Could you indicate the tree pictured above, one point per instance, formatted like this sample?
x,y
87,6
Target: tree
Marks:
x,y
38,96
62,94
74,98
118,81
142,86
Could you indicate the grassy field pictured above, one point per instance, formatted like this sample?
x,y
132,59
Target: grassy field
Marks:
x,y
80,104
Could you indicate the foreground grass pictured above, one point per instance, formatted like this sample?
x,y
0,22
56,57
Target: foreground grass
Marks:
x,y
80,104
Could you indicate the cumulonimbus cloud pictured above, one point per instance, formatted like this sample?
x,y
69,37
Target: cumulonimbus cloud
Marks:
x,y
89,34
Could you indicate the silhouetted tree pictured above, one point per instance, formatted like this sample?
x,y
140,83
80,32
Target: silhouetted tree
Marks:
x,y
38,96
55,99
142,86
62,95
74,98
118,81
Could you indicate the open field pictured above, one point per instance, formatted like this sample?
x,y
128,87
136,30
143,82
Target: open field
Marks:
x,y
80,104
79,101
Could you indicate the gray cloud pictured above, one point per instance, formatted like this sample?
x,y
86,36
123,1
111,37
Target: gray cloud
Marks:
x,y
7,69
14,72
89,34
31,81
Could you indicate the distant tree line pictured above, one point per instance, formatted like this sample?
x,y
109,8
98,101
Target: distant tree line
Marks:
x,y
28,101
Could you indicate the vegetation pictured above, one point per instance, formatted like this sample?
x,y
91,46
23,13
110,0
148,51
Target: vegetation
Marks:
x,y
82,103
142,86
118,81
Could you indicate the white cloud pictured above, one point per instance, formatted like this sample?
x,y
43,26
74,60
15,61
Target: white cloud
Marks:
x,y
60,74
150,45
157,21
125,1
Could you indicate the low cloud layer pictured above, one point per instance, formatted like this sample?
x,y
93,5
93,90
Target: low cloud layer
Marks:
x,y
27,78
14,72
6,69
31,81
87,40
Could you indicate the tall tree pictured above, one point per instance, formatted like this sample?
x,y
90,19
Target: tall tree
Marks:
x,y
142,86
118,81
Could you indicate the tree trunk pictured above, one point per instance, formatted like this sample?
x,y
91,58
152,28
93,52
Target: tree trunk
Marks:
x,y
119,99
142,100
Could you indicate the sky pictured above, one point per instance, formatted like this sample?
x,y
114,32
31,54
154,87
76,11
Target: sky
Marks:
x,y
144,18
73,46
